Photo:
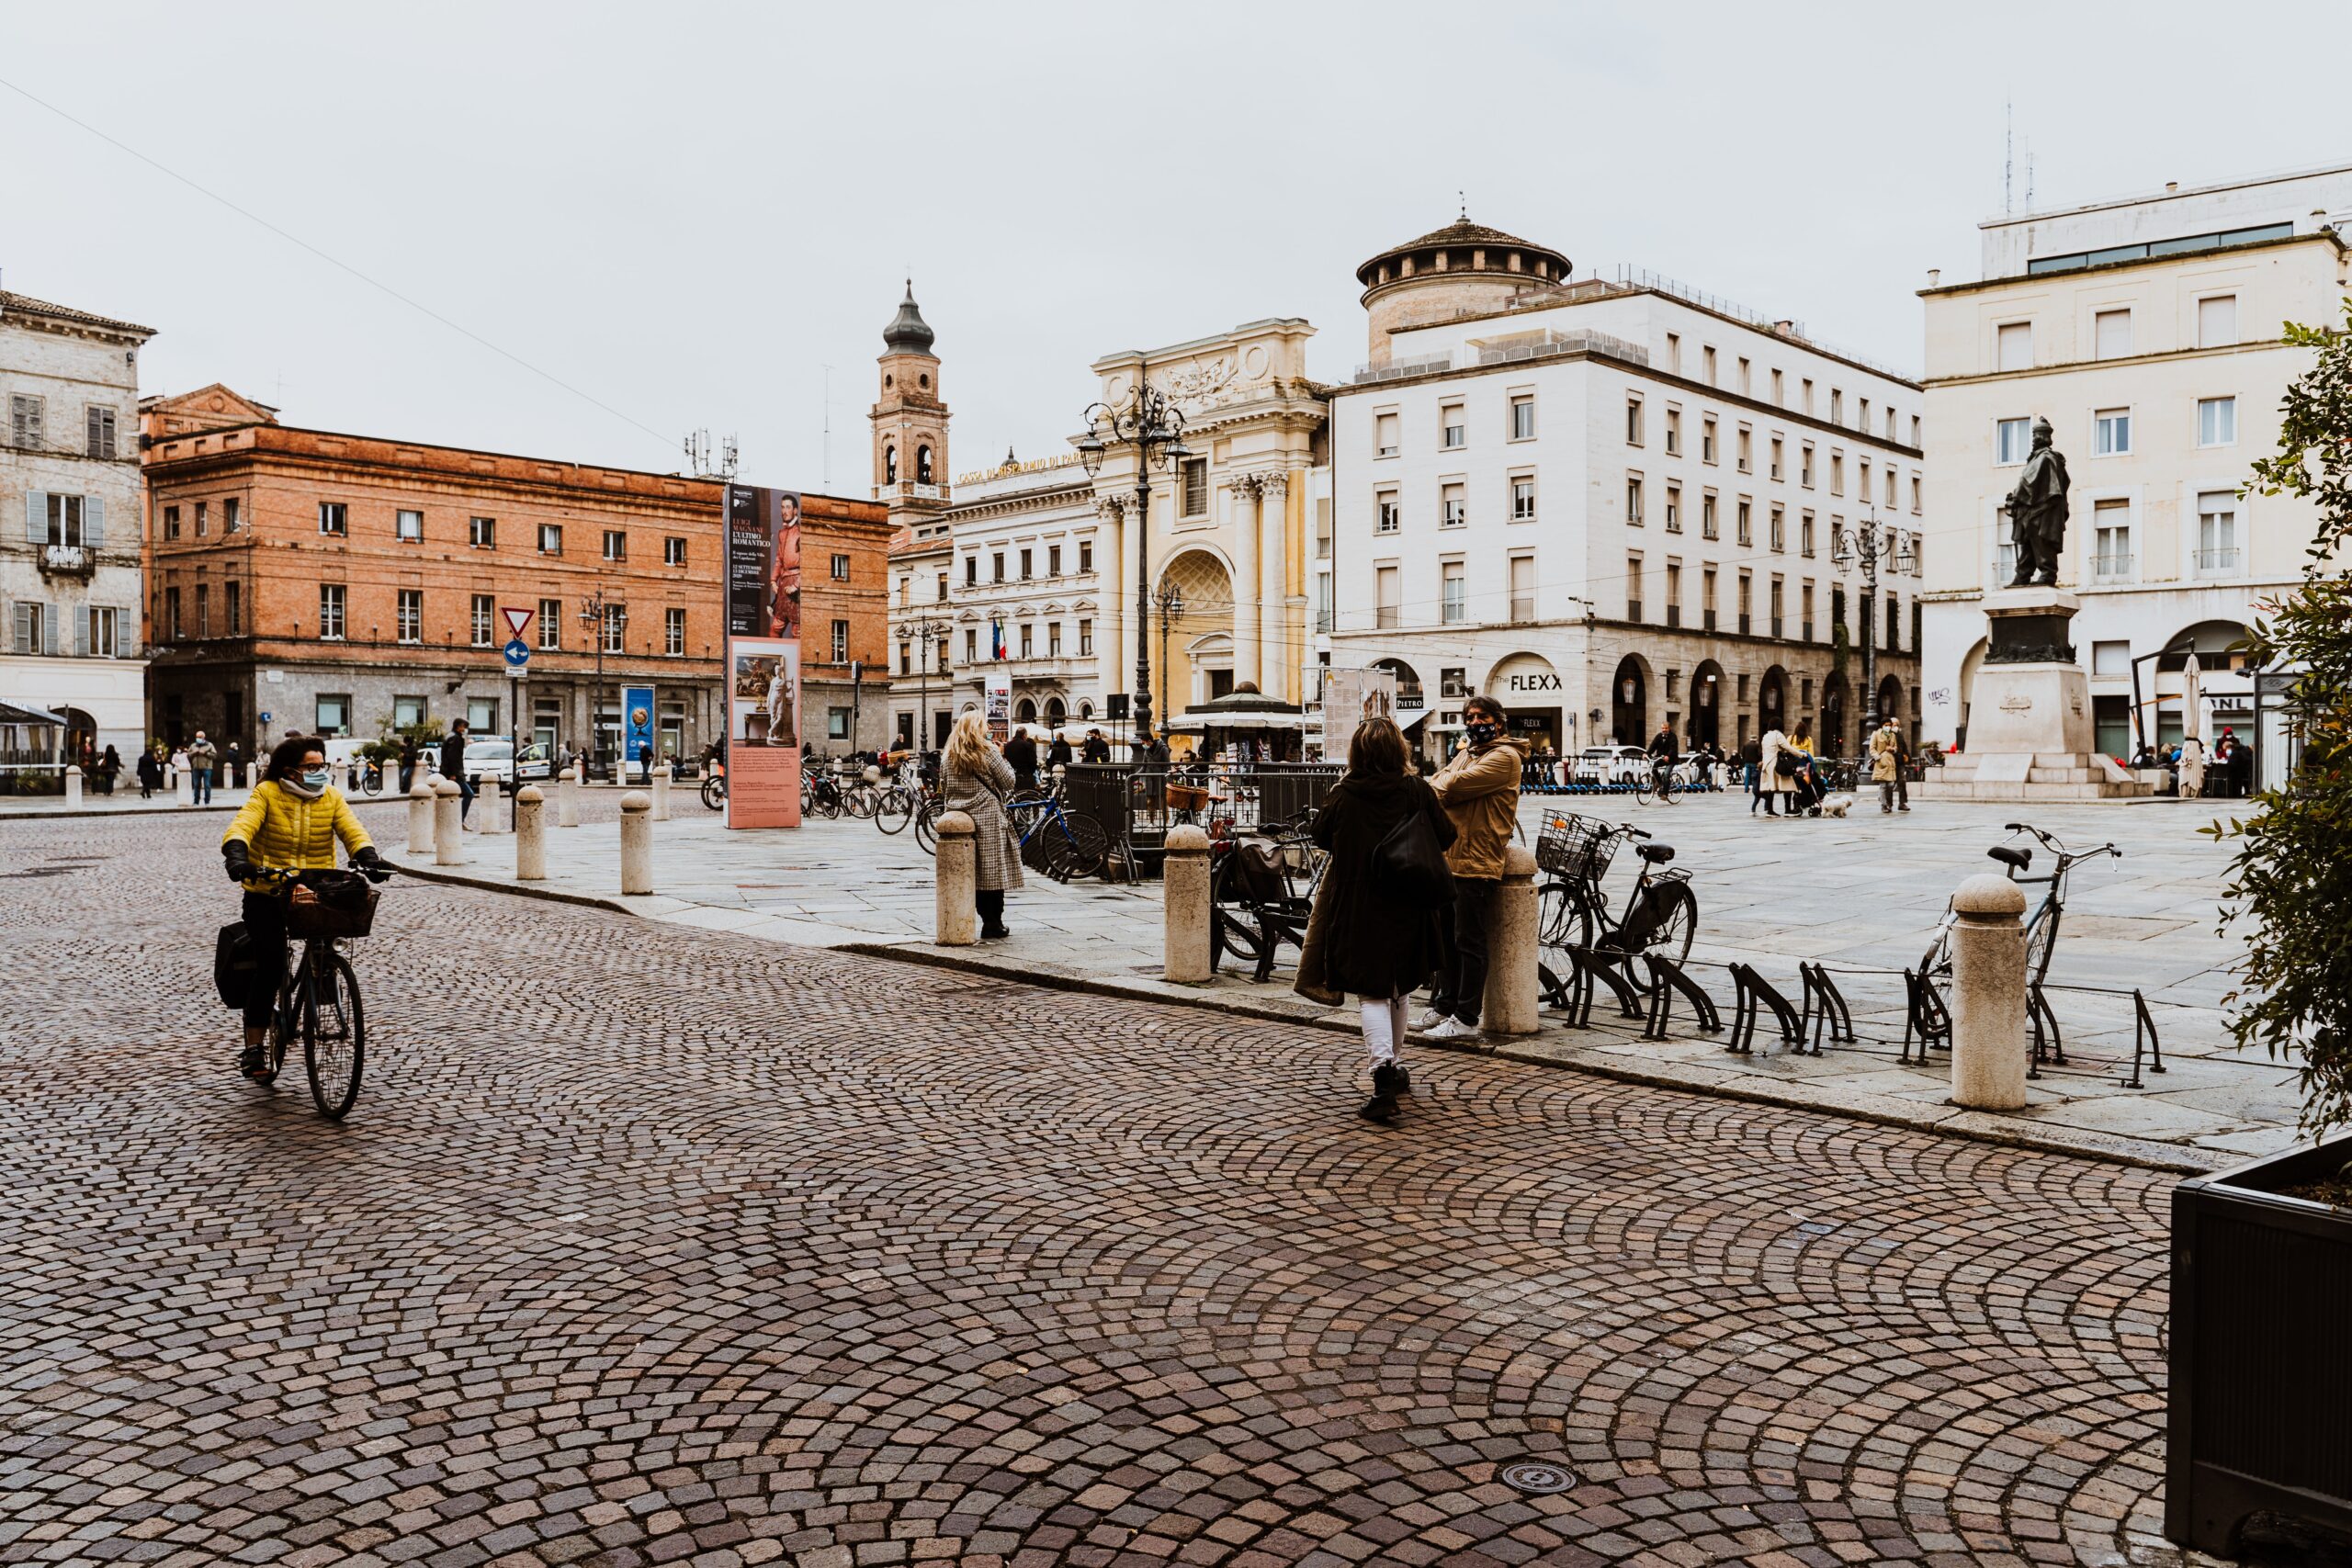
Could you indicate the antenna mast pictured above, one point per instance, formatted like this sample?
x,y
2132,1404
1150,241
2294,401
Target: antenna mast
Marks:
x,y
829,429
2009,151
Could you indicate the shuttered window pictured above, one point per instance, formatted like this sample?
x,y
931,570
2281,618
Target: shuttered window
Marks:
x,y
2217,322
2113,332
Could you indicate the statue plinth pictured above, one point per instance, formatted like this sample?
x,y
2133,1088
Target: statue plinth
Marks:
x,y
2030,730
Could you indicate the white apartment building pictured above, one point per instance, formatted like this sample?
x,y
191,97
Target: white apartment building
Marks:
x,y
69,522
2146,330
1026,591
1611,504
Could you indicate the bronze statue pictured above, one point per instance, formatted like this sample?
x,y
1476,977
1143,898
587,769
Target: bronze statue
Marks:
x,y
2037,509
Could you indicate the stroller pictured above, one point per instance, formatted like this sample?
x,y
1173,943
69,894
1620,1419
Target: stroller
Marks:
x,y
1809,791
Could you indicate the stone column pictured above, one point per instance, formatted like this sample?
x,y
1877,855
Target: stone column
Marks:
x,y
530,834
956,916
1988,1020
182,787
490,800
1273,567
660,795
1112,592
419,814
72,788
448,847
1184,907
1245,576
637,842
1513,990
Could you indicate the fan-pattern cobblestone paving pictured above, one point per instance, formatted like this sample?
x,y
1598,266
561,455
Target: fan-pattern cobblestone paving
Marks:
x,y
647,1245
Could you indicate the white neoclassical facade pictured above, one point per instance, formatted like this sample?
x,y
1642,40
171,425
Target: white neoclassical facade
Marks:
x,y
70,521
2146,330
1612,504
1025,586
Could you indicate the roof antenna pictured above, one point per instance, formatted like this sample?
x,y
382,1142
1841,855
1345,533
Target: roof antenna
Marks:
x,y
2009,151
1464,197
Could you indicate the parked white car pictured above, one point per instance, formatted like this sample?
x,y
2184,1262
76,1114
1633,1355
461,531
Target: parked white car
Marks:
x,y
496,758
1612,764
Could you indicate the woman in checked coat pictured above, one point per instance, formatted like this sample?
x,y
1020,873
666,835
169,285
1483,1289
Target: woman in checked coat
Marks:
x,y
977,780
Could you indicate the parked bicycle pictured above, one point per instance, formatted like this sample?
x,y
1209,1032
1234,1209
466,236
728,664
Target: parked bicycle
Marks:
x,y
899,804
1261,892
1661,913
714,786
319,997
2042,926
372,777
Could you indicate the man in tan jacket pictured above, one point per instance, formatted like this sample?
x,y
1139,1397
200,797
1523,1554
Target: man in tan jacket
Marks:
x,y
1479,789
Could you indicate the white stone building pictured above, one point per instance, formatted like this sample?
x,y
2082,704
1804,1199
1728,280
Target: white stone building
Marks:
x,y
2146,330
70,521
1026,590
1611,504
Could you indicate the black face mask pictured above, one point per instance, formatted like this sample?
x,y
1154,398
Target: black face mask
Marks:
x,y
1482,733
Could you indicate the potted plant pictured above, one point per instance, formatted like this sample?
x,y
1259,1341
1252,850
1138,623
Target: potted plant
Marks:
x,y
2261,1414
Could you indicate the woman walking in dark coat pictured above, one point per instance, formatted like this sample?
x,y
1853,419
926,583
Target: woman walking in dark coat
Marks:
x,y
150,769
1363,937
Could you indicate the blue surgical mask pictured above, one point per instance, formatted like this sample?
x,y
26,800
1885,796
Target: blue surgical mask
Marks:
x,y
316,778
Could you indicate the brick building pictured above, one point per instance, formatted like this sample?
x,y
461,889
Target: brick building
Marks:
x,y
333,583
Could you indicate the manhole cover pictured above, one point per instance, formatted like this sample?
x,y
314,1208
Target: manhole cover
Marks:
x,y
1537,1479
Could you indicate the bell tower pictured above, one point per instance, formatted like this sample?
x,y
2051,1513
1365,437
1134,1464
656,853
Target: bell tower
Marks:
x,y
910,423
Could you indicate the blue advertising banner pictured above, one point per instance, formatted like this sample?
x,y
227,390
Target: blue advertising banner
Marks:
x,y
637,723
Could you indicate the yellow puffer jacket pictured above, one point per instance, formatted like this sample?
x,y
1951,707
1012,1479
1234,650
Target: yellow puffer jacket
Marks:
x,y
286,832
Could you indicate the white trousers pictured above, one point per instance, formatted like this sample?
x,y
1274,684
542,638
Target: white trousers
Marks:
x,y
1384,1025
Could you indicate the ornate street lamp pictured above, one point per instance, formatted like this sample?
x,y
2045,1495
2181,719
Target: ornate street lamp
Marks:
x,y
1863,549
1170,600
1154,429
597,614
926,632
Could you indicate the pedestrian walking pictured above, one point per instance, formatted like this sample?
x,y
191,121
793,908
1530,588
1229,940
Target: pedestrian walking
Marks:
x,y
1371,933
978,780
1021,754
408,761
453,766
1751,772
109,768
150,769
1059,754
1887,757
1479,789
1772,782
1096,749
201,756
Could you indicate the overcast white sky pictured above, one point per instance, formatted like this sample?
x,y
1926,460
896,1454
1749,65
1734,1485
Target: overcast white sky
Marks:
x,y
686,211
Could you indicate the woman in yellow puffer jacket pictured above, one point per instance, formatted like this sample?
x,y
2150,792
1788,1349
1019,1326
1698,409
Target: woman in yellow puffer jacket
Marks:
x,y
290,822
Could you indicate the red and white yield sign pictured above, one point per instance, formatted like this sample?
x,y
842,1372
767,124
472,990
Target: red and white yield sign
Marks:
x,y
517,621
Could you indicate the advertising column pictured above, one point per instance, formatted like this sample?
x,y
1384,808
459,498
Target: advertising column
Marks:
x,y
763,656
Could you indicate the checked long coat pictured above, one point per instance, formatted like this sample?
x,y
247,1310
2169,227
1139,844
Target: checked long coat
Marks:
x,y
996,856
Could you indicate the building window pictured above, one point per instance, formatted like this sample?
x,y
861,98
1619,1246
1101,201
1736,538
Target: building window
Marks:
x,y
1915,492
550,538
1523,500
1674,353
1746,459
330,613
1024,566
171,627
407,712
1804,534
841,642
1673,605
334,518
203,518
1745,520
996,565
1523,588
330,714
889,463
1053,561
1894,623
171,521
673,631
2111,541
1387,596
98,429
1387,519
408,527
1632,588
1804,466
1452,583
1779,534
2111,433
837,723
1196,487
1673,507
906,659
1777,601
410,615
2012,440
1025,648
1805,611
1633,422
2014,344
2111,331
485,612
1383,435
1452,432
2217,534
1837,406
1707,357
550,622
1054,638
673,550
25,420
971,571
481,715
1707,441
615,544
1452,682
841,563
58,522
2217,421
1633,500
1914,430
1707,594
971,647
233,604
616,625
1710,520
1522,419
1453,507
1673,433
1837,473
922,465
2217,322
203,609
1085,639
1086,554
482,533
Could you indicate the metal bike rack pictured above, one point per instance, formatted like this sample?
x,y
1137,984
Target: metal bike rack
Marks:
x,y
1925,1017
1827,1015
1667,977
1755,994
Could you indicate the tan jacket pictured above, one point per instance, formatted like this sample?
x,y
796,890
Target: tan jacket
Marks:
x,y
1479,790
1885,756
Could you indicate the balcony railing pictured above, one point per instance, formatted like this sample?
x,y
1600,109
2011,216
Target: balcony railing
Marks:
x,y
2111,569
2217,563
1522,609
68,560
907,490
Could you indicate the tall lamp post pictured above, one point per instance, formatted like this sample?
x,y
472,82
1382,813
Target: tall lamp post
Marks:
x,y
1170,603
1863,548
927,632
603,618
1154,428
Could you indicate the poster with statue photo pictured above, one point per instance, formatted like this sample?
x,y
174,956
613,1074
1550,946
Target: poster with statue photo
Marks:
x,y
1351,696
763,656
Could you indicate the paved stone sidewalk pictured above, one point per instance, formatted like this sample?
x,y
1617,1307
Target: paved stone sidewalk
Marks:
x,y
1861,896
647,1245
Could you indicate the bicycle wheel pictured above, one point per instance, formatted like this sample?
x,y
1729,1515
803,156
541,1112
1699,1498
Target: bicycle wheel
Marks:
x,y
893,810
1667,787
860,802
334,1036
1083,847
1563,920
927,826
1641,790
1231,933
2040,938
372,781
714,793
1676,911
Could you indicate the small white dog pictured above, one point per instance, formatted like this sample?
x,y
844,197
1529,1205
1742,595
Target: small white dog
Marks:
x,y
1836,804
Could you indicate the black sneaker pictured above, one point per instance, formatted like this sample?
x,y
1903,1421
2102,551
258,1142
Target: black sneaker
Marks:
x,y
253,1063
1382,1106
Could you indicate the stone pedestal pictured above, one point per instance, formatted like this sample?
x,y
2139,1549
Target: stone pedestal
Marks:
x,y
2029,732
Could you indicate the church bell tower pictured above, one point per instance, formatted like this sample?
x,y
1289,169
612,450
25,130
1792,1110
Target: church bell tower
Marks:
x,y
909,424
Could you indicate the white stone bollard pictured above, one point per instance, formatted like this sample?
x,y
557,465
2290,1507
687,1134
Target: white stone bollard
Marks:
x,y
956,912
1513,990
447,846
72,788
661,794
567,799
530,834
1184,915
419,815
637,842
1989,1047
184,786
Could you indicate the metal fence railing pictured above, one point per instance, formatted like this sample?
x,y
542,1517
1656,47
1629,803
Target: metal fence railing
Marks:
x,y
1137,804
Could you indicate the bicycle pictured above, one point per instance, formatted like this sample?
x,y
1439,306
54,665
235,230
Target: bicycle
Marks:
x,y
319,996
1262,883
1659,780
714,787
819,795
1661,913
1056,841
371,778
2041,927
898,803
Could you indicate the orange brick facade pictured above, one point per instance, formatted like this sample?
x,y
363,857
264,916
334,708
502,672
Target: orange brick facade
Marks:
x,y
258,534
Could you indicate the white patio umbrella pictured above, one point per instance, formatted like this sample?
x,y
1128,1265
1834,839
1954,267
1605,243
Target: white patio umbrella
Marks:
x,y
2192,702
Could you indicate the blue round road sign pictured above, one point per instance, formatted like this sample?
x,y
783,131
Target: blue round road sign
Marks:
x,y
518,653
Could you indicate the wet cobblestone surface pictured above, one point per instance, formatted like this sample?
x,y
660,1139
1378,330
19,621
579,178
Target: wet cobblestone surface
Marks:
x,y
645,1244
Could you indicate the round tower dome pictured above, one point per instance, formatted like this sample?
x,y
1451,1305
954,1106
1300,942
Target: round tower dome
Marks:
x,y
1461,269
908,331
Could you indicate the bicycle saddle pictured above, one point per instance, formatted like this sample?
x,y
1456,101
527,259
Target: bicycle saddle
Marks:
x,y
2016,859
1657,854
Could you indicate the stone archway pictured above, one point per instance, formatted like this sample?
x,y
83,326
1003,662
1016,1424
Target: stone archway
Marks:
x,y
1836,698
1193,647
1890,699
1709,689
1772,703
1629,702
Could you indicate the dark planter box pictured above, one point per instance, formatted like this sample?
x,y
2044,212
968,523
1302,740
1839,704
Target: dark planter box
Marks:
x,y
2261,1413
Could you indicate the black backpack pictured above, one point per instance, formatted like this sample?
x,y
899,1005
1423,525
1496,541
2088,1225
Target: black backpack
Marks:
x,y
236,958
1408,865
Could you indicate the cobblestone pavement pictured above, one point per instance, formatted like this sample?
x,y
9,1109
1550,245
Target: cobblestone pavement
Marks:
x,y
652,1244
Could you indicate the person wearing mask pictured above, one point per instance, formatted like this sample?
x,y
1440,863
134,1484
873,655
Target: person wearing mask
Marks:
x,y
1479,789
1059,754
1886,766
201,756
233,765
978,781
290,822
453,766
1662,755
1364,937
1021,753
1096,749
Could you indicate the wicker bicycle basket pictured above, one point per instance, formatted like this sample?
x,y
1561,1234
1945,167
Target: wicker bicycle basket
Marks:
x,y
1578,848
337,907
